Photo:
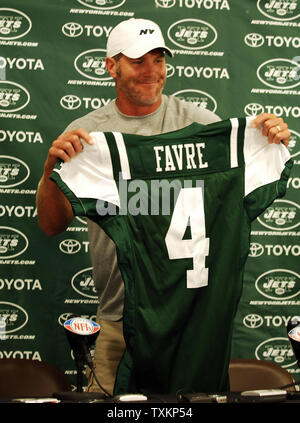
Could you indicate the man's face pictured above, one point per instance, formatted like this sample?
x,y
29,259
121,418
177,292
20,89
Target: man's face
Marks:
x,y
141,81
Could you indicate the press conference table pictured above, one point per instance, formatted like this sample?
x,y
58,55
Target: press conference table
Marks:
x,y
180,400
162,408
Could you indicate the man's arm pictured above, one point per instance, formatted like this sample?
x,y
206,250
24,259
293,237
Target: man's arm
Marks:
x,y
273,127
54,210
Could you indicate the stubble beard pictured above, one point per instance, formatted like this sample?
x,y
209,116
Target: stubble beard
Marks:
x,y
136,94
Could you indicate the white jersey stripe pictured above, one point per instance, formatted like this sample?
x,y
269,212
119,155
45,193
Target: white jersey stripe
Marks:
x,y
125,168
233,142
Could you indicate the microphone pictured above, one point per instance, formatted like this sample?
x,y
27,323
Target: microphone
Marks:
x,y
81,334
293,331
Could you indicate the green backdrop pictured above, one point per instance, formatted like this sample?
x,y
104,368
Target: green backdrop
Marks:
x,y
233,57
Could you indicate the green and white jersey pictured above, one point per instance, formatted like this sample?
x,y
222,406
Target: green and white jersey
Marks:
x,y
178,207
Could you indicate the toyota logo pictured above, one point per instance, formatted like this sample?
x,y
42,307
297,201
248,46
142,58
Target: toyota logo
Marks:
x,y
70,102
72,29
70,246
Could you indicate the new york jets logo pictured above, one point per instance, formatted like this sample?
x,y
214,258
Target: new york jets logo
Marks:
x,y
13,96
91,64
282,215
13,24
83,283
102,4
12,317
13,171
278,284
192,34
279,10
277,350
279,73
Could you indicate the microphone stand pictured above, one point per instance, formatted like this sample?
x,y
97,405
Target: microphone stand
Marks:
x,y
79,379
80,346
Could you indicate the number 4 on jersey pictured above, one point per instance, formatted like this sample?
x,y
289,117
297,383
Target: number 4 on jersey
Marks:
x,y
189,210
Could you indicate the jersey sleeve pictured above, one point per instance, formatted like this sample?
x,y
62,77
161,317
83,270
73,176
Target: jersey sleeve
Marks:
x,y
88,176
267,169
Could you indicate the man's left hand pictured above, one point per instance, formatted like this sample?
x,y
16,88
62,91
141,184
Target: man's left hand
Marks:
x,y
273,127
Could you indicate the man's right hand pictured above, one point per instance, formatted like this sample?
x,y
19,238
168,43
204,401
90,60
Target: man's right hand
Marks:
x,y
54,210
65,147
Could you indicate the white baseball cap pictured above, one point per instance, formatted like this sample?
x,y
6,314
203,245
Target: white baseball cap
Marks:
x,y
134,38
